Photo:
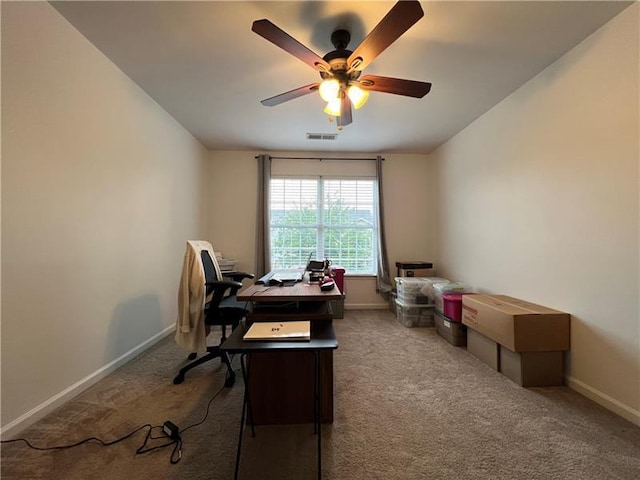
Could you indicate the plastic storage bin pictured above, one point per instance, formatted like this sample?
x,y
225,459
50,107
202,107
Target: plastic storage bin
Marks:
x,y
412,315
409,290
452,306
440,289
452,332
427,289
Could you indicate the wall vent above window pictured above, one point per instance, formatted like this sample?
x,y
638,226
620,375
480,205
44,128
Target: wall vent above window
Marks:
x,y
322,136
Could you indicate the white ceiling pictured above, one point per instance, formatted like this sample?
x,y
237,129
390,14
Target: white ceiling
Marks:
x,y
202,63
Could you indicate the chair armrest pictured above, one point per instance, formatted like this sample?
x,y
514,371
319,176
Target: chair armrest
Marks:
x,y
238,276
224,285
221,287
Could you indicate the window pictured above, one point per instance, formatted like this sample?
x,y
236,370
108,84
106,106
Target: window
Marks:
x,y
325,218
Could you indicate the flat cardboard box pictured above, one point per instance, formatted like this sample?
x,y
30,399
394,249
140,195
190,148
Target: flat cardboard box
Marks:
x,y
518,325
483,348
416,272
532,369
453,332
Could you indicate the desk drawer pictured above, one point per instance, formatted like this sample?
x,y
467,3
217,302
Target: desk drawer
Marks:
x,y
303,311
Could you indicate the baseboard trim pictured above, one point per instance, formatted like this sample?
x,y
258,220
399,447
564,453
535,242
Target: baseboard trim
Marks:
x,y
605,400
16,426
366,306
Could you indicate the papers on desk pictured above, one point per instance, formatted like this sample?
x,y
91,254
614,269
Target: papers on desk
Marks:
x,y
289,331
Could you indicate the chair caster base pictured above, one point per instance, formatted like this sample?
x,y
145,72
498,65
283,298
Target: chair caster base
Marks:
x,y
192,356
178,380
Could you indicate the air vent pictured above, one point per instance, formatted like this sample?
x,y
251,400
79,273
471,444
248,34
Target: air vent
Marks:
x,y
322,136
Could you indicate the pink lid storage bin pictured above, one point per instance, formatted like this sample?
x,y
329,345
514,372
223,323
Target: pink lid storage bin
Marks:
x,y
452,306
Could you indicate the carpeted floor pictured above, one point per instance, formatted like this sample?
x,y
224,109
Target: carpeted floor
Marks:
x,y
407,406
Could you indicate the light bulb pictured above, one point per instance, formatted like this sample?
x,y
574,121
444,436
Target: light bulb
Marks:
x,y
357,96
329,89
333,107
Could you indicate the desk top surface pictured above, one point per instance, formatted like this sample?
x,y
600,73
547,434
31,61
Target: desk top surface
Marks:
x,y
298,292
323,337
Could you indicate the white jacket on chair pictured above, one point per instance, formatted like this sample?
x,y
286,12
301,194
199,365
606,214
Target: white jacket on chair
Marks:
x,y
191,331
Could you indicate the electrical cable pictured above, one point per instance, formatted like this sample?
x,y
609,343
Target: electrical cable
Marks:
x,y
76,444
176,441
169,430
206,414
246,302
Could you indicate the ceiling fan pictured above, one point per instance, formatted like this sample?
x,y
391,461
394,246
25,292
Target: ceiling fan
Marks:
x,y
340,69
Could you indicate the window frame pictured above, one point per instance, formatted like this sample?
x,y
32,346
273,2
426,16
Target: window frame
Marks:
x,y
321,227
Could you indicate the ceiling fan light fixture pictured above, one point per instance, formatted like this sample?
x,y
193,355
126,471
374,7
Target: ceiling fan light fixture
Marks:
x,y
357,96
329,89
333,107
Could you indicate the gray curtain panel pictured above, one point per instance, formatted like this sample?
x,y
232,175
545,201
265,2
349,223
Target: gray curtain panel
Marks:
x,y
263,238
383,277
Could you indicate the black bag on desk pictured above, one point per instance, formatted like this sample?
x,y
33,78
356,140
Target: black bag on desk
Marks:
x,y
315,266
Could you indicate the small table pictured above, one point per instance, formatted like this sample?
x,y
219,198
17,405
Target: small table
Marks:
x,y
323,338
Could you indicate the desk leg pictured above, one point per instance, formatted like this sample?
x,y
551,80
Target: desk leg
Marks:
x,y
247,391
246,405
317,419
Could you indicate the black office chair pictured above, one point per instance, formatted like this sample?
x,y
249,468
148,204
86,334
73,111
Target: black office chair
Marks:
x,y
221,311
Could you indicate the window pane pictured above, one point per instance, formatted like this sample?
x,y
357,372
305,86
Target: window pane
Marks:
x,y
294,202
290,247
351,248
349,202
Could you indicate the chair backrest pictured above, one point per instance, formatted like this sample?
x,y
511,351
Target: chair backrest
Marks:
x,y
219,309
210,272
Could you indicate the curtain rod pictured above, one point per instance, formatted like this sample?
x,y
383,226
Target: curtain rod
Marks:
x,y
320,158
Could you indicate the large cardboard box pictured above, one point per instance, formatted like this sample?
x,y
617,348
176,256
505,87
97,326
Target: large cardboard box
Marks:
x,y
532,369
483,348
516,324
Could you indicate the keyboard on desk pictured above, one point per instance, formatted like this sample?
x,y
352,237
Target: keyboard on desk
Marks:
x,y
282,276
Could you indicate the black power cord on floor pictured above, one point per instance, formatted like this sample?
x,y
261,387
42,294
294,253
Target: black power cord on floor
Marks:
x,y
142,449
169,431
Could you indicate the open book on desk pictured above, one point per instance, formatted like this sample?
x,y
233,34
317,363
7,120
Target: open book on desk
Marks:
x,y
289,331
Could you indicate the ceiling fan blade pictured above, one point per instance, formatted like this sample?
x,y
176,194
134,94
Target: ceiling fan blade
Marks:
x,y
279,37
397,86
290,95
345,117
399,19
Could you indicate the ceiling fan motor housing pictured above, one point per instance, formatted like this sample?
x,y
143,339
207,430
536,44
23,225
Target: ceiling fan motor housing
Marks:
x,y
337,58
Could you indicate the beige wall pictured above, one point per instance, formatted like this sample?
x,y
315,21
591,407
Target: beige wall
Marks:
x,y
409,190
100,190
539,200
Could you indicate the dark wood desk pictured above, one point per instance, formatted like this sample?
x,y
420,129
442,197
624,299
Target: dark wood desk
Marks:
x,y
299,292
280,380
323,339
